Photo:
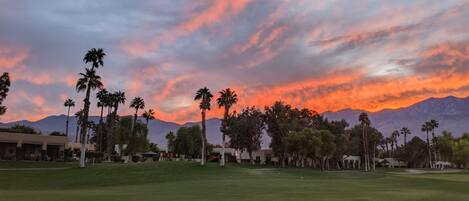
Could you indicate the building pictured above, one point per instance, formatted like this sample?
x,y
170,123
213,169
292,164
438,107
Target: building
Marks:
x,y
20,146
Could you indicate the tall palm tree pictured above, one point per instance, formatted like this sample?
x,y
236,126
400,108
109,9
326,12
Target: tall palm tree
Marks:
x,y
405,131
95,57
137,103
149,115
102,96
68,103
433,125
365,122
426,127
89,81
227,99
115,99
205,97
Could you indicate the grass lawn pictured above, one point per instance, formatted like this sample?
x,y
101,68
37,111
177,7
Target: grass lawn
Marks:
x,y
188,181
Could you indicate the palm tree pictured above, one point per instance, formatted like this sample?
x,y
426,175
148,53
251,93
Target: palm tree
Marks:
x,y
394,137
227,99
149,115
89,81
387,141
95,57
405,131
102,96
68,103
78,115
115,99
205,97
426,127
137,103
365,122
433,125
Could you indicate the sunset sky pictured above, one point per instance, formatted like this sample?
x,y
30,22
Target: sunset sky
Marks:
x,y
324,55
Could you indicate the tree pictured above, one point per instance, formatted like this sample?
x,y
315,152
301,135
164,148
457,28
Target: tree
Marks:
x,y
68,103
445,143
277,119
88,81
433,125
188,142
205,97
79,117
365,122
245,130
461,151
394,137
135,138
227,99
103,97
170,140
137,103
426,127
405,131
149,115
115,99
4,88
413,153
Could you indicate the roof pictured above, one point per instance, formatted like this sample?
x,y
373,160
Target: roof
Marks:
x,y
149,153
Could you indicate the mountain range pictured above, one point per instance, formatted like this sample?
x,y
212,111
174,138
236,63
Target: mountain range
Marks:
x,y
451,112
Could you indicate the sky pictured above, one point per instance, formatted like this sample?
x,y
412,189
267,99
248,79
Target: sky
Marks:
x,y
323,55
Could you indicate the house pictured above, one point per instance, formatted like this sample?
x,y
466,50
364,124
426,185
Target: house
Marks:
x,y
21,146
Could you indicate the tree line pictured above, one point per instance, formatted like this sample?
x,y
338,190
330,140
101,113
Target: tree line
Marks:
x,y
301,137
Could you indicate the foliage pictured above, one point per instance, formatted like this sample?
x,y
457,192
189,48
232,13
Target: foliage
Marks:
x,y
188,141
170,137
4,88
245,130
57,133
461,151
414,153
136,141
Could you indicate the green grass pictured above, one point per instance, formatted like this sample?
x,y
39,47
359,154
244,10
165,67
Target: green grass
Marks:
x,y
189,181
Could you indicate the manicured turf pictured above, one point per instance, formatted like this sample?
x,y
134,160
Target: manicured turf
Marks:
x,y
188,181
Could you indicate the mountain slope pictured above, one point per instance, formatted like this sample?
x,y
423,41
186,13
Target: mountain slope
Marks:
x,y
451,112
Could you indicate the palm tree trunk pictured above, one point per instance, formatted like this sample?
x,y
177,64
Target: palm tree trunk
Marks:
x,y
202,160
405,140
225,119
76,134
387,148
99,131
86,109
66,124
364,148
429,152
374,155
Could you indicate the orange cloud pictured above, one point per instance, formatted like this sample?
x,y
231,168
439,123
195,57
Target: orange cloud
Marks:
x,y
216,12
10,58
168,88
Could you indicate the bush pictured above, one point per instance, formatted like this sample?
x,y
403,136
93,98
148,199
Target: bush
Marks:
x,y
136,159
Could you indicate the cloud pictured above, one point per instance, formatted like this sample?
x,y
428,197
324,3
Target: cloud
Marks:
x,y
324,56
10,58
